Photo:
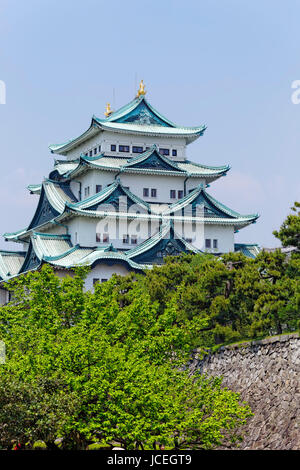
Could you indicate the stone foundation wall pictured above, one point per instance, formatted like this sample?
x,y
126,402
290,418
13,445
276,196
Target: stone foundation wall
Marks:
x,y
266,373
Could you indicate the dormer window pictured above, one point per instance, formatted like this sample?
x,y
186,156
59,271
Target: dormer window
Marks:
x,y
123,148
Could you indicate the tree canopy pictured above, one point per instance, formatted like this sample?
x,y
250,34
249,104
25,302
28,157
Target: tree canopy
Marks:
x,y
109,364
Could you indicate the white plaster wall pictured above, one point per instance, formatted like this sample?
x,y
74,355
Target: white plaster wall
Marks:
x,y
224,235
83,231
55,229
103,271
192,183
86,146
4,296
163,185
106,139
170,143
136,183
91,178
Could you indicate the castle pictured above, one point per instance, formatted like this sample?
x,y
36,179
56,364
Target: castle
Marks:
x,y
121,197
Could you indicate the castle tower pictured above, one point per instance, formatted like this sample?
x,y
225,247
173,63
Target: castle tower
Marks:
x,y
122,196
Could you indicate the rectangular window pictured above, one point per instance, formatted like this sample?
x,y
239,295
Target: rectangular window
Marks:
x,y
174,153
123,148
113,148
91,153
164,151
126,187
153,192
105,238
95,151
95,280
189,240
207,243
86,191
86,154
126,238
180,194
133,239
98,237
136,149
99,148
98,188
172,194
146,192
215,243
103,280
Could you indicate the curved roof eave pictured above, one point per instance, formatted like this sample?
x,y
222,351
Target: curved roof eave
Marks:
x,y
62,149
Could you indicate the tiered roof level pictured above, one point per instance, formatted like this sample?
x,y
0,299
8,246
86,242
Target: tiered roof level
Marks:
x,y
123,195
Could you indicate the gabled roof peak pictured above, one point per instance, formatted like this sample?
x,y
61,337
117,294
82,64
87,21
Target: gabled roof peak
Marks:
x,y
137,111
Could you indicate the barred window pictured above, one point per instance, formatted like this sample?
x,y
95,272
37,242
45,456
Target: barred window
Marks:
x,y
207,243
136,149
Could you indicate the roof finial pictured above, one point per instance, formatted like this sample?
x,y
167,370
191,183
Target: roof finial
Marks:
x,y
141,90
108,110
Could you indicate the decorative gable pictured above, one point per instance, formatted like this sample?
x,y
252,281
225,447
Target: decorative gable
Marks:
x,y
203,206
143,115
43,213
152,159
31,261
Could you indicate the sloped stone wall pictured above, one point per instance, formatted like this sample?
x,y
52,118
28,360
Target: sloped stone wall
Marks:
x,y
267,375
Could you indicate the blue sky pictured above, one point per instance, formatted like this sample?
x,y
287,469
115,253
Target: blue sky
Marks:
x,y
227,63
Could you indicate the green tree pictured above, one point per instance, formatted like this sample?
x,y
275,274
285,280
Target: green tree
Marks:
x,y
116,358
289,232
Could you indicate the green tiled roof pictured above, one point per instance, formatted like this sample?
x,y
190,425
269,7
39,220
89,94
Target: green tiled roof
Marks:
x,y
34,188
249,250
163,233
103,195
130,107
58,251
115,123
130,165
218,206
10,263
